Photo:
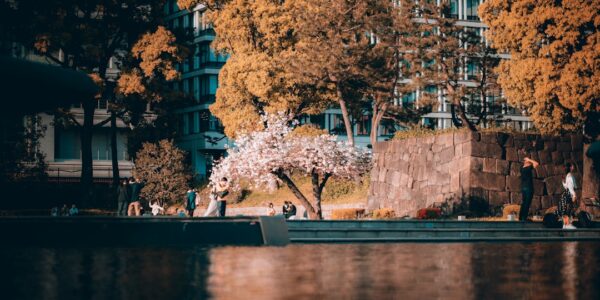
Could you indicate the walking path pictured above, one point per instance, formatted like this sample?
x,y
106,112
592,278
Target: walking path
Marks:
x,y
262,211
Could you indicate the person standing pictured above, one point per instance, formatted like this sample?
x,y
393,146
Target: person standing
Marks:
x,y
74,211
271,210
135,206
191,202
123,198
292,211
222,190
212,209
568,197
286,209
526,185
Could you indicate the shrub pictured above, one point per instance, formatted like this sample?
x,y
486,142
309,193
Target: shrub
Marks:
x,y
421,132
307,130
384,213
163,169
347,213
511,209
429,213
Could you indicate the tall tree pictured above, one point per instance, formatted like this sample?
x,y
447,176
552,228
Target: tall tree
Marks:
x,y
554,68
297,56
258,37
85,36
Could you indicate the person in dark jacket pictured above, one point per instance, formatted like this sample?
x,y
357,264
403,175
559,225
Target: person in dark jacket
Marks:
x,y
123,198
526,184
191,202
292,211
135,206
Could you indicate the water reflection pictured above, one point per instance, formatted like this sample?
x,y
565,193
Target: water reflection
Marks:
x,y
346,271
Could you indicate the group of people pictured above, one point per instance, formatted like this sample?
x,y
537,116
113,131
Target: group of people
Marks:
x,y
566,204
128,200
288,210
64,211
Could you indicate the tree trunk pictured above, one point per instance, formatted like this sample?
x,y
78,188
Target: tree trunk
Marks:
x,y
312,214
317,189
459,117
346,116
114,149
375,121
87,167
591,178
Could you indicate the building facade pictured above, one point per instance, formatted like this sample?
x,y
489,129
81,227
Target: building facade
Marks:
x,y
61,142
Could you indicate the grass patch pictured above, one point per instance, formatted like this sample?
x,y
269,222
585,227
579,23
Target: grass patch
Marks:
x,y
336,191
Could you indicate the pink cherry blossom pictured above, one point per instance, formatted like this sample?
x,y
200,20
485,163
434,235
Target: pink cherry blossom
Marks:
x,y
271,155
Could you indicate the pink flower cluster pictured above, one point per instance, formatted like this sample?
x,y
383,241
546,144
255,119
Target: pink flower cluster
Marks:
x,y
258,155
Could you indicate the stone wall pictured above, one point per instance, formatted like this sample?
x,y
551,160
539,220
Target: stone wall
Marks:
x,y
451,168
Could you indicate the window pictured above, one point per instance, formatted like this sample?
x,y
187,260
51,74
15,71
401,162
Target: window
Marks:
x,y
214,124
472,69
191,123
454,9
209,57
408,99
186,86
337,124
67,144
208,122
203,120
318,120
196,88
471,10
363,125
208,85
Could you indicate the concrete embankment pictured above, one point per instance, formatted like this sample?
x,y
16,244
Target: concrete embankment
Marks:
x,y
142,231
431,231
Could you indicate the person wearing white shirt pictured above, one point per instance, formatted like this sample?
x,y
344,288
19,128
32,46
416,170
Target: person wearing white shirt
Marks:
x,y
156,209
568,198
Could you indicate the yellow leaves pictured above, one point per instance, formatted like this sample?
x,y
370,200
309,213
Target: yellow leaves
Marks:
x,y
187,4
156,52
42,43
555,58
131,83
307,130
98,81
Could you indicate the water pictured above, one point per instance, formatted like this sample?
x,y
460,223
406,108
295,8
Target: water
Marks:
x,y
326,271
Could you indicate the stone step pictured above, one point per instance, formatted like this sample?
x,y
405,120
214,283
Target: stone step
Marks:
x,y
440,232
410,224
442,239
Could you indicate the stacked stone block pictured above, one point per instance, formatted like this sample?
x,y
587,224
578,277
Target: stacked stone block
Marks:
x,y
414,173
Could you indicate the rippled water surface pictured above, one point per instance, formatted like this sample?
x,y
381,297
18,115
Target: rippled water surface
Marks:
x,y
333,271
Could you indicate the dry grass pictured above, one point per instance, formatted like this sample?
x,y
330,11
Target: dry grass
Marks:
x,y
347,213
384,213
336,192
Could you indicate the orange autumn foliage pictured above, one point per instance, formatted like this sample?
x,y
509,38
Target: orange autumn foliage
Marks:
x,y
554,68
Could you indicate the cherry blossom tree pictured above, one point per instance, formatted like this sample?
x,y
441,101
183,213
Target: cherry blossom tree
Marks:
x,y
273,154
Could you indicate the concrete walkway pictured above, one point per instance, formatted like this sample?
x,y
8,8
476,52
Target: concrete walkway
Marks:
x,y
262,211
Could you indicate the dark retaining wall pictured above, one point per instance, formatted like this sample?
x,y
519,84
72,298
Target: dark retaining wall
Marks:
x,y
449,169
